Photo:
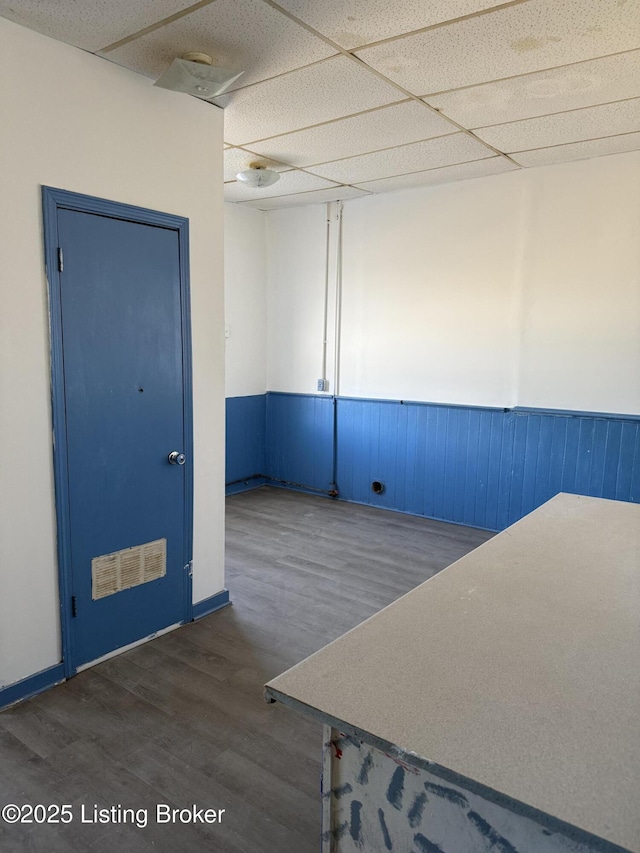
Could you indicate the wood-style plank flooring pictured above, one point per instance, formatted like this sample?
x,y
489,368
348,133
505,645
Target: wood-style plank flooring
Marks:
x,y
181,720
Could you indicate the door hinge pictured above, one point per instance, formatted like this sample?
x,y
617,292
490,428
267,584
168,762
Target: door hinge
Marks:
x,y
74,606
60,259
189,568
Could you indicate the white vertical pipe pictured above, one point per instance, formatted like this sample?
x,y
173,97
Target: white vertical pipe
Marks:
x,y
325,328
338,307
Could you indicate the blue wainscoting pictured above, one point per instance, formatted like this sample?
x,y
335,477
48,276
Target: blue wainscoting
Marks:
x,y
482,467
246,442
300,440
477,466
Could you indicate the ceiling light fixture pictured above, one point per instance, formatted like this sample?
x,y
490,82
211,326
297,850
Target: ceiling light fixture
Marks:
x,y
257,176
195,74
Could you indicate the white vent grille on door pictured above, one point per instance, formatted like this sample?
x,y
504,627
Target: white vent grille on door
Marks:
x,y
129,567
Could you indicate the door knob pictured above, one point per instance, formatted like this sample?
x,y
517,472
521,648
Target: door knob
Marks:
x,y
176,458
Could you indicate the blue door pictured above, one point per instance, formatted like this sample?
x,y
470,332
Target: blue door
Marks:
x,y
123,371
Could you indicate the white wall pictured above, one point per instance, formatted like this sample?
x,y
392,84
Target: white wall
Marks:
x,y
581,301
296,250
245,300
74,121
429,282
519,289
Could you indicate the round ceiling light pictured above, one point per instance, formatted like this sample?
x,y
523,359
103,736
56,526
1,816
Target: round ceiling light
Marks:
x,y
257,176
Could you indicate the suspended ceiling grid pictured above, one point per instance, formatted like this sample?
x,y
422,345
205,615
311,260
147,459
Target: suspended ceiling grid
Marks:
x,y
350,98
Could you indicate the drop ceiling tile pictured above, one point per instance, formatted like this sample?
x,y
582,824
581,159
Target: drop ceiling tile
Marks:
x,y
300,199
598,81
371,131
355,24
290,182
531,36
236,160
242,35
89,25
444,151
574,126
459,172
328,90
579,150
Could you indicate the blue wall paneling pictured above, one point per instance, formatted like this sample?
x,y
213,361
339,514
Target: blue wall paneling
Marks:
x,y
246,442
478,466
300,440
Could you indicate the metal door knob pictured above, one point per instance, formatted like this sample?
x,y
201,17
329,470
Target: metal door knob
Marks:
x,y
176,458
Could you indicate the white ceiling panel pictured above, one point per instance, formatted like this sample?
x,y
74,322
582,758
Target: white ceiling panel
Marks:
x,y
300,199
89,25
459,172
290,182
355,24
579,150
371,131
236,160
328,90
242,35
539,79
599,81
574,126
456,148
532,36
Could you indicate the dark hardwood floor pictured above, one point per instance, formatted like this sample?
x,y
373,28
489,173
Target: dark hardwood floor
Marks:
x,y
181,720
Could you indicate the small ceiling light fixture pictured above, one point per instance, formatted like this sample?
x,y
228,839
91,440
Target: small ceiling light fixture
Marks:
x,y
195,74
257,175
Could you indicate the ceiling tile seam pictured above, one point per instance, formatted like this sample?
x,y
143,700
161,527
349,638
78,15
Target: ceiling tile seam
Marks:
x,y
303,169
321,123
359,184
528,73
282,74
263,157
427,106
304,172
558,113
578,142
350,55
366,45
378,150
158,25
409,96
442,24
299,192
306,169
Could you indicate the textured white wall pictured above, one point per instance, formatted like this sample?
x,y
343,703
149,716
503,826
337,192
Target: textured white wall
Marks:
x,y
519,289
245,300
74,121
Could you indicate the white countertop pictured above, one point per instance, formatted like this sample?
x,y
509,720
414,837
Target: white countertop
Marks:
x,y
517,667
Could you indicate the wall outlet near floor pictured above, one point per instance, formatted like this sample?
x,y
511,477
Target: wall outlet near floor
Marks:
x,y
323,385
